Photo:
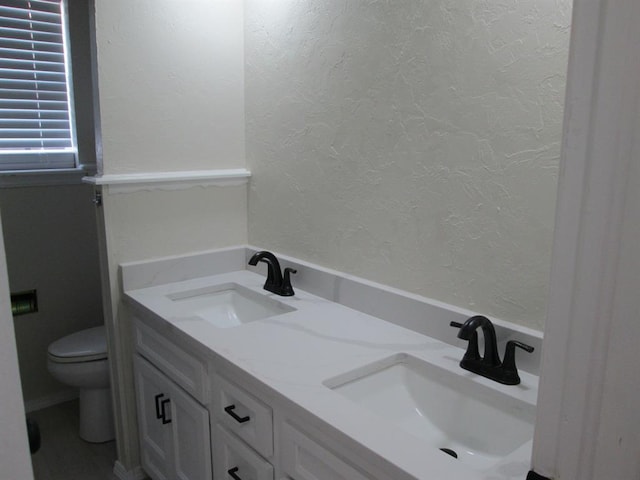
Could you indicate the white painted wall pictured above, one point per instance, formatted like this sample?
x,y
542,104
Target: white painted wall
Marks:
x,y
152,224
171,85
414,144
14,448
52,246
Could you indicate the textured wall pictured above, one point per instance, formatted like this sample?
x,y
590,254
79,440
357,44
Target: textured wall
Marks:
x,y
411,143
170,77
151,224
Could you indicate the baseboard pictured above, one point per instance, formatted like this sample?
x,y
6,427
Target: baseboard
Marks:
x,y
50,400
122,473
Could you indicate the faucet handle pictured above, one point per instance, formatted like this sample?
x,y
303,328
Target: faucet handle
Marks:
x,y
287,289
523,346
510,371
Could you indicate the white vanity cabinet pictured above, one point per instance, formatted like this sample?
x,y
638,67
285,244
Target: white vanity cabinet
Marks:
x,y
200,421
173,425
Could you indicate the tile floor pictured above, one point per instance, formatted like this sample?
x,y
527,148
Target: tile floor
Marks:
x,y
63,455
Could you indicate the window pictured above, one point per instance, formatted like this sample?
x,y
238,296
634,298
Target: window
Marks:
x,y
36,128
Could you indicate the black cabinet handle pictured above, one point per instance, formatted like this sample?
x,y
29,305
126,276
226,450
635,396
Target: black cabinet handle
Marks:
x,y
157,398
230,410
163,413
232,473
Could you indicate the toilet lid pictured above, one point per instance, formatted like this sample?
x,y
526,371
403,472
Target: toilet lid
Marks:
x,y
85,345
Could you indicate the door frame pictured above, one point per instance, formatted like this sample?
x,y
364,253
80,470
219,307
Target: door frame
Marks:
x,y
587,420
15,461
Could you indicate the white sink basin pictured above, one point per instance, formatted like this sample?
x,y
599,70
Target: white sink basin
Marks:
x,y
227,305
447,411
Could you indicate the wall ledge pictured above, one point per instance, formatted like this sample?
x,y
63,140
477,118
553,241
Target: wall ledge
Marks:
x,y
131,182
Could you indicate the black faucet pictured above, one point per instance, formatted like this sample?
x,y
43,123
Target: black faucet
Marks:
x,y
275,283
489,365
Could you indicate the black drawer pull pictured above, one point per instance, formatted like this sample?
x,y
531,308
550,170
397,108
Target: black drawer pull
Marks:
x,y
232,473
230,410
157,398
163,404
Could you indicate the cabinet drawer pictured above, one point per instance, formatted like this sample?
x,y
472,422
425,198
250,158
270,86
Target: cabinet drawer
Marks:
x,y
183,368
244,415
305,459
233,459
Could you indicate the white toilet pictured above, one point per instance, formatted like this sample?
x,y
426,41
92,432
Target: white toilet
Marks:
x,y
80,360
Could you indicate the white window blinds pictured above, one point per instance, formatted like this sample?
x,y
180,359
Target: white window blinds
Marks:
x,y
35,123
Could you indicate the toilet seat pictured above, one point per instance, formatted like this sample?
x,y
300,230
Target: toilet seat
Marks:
x,y
88,345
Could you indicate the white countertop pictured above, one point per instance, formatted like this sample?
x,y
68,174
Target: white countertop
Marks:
x,y
294,353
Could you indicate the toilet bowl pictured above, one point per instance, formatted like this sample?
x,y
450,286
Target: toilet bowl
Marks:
x,y
80,360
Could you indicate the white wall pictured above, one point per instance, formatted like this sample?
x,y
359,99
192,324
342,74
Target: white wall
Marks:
x,y
171,93
171,84
416,145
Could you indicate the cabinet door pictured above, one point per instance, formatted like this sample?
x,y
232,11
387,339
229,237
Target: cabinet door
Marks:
x,y
155,436
305,459
191,442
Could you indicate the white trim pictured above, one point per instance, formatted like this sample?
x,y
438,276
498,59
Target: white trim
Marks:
x,y
68,66
122,473
50,400
14,446
131,182
584,386
44,177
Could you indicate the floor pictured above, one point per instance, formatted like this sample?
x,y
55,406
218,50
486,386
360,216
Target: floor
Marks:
x,y
63,455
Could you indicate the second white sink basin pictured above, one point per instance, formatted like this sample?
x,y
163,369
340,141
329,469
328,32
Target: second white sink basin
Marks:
x,y
481,426
227,305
